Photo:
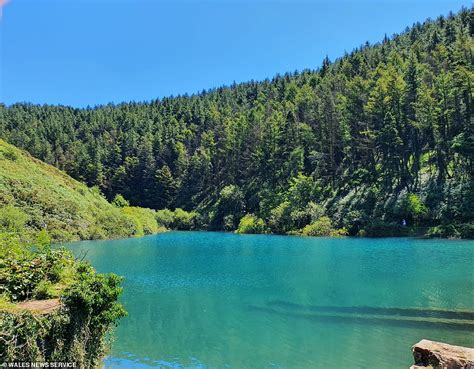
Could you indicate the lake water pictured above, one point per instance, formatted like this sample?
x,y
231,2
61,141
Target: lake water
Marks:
x,y
217,300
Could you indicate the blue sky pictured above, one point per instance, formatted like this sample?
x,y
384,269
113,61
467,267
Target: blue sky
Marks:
x,y
89,52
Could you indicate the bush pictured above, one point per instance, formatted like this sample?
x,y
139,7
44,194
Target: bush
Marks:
x,y
44,290
119,201
10,245
10,155
165,217
43,239
95,295
114,224
12,219
184,220
19,277
322,227
125,222
178,219
299,218
144,218
251,224
28,273
77,332
466,230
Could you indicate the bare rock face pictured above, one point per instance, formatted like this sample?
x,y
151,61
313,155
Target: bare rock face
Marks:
x,y
439,355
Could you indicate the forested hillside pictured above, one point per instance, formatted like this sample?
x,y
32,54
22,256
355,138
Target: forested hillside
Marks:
x,y
381,135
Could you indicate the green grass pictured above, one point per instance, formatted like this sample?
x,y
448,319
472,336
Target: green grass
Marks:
x,y
66,208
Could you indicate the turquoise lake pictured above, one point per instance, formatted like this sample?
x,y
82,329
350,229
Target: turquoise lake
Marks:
x,y
218,300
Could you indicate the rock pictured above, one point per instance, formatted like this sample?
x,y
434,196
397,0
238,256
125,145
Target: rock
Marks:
x,y
438,355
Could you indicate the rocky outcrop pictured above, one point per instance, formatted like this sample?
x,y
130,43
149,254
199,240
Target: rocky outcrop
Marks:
x,y
438,355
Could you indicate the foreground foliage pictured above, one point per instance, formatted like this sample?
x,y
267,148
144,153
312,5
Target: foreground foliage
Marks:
x,y
78,331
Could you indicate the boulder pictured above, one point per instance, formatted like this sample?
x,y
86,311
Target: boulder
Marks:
x,y
438,355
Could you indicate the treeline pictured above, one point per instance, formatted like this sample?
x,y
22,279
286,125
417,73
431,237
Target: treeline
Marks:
x,y
381,135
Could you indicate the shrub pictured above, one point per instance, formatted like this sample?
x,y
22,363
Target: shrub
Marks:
x,y
184,220
251,224
78,332
299,218
119,201
354,221
43,239
10,245
95,232
19,277
178,219
27,273
10,155
321,227
114,224
95,295
44,290
165,217
144,218
466,230
12,219
61,235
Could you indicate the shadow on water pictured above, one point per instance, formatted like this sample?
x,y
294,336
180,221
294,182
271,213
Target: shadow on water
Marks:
x,y
408,312
399,317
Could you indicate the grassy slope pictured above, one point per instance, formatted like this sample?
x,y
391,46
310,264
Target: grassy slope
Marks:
x,y
69,209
